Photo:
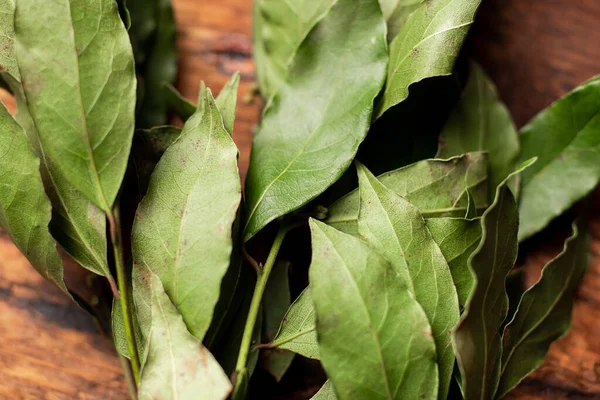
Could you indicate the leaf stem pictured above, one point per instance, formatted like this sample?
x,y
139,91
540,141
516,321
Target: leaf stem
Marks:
x,y
131,386
259,290
115,236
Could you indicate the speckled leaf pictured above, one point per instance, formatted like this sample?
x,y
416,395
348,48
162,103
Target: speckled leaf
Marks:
x,y
8,61
177,365
279,29
544,313
436,187
276,301
297,332
396,12
476,339
565,138
458,238
25,210
481,122
374,338
80,88
183,227
426,46
396,229
325,393
313,126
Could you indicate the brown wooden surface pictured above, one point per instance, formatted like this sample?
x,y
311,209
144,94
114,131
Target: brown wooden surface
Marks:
x,y
536,50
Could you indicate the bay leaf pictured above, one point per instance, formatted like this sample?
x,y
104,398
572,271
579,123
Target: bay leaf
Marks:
x,y
481,122
565,139
176,102
396,229
279,29
8,61
374,338
396,12
543,314
177,365
426,46
476,339
311,129
457,238
297,332
80,89
325,393
276,301
25,211
183,226
436,187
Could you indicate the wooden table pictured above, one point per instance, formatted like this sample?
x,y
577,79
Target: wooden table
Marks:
x,y
535,50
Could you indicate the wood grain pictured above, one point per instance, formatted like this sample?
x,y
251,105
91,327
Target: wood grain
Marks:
x,y
535,50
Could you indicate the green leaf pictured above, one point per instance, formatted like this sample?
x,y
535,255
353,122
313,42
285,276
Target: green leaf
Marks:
x,y
8,61
396,229
396,12
25,210
544,313
436,187
276,301
298,328
426,46
153,35
325,111
565,138
374,338
227,101
482,122
279,29
476,339
182,107
325,393
177,365
183,227
80,88
458,238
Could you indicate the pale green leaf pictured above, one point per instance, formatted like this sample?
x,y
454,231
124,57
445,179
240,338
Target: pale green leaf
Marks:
x,y
458,238
298,330
396,229
544,313
183,226
565,139
279,29
374,338
8,61
476,339
25,211
426,46
396,12
177,365
313,126
436,187
481,122
80,88
227,100
325,393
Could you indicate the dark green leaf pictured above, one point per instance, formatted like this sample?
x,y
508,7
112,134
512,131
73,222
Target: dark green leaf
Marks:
x,y
183,227
279,29
325,393
565,138
311,129
374,338
544,313
481,122
396,229
426,46
177,365
80,88
276,301
458,238
25,210
298,330
436,187
477,341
